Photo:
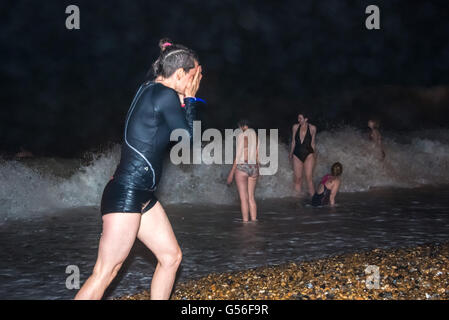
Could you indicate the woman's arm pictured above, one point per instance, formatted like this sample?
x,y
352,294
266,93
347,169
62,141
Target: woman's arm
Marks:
x,y
313,133
294,129
382,151
257,150
238,152
232,172
378,141
334,191
176,116
376,137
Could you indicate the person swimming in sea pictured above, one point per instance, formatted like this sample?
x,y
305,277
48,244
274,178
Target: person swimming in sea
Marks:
x,y
245,169
302,153
23,154
129,207
328,187
376,137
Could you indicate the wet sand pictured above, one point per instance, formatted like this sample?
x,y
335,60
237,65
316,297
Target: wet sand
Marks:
x,y
418,273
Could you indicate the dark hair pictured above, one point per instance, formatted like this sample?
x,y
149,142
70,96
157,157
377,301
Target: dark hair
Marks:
x,y
172,57
303,115
243,122
337,169
376,122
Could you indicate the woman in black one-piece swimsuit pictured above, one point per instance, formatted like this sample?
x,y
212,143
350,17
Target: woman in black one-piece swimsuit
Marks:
x,y
302,153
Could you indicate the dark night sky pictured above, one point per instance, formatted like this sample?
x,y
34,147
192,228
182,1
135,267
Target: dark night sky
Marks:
x,y
64,92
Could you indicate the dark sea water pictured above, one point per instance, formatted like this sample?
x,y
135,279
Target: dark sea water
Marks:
x,y
49,216
35,252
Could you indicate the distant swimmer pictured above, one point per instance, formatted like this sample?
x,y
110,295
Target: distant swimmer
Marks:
x,y
303,153
328,187
23,153
246,170
129,206
376,137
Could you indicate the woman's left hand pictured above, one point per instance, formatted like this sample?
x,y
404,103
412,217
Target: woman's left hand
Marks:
x,y
194,83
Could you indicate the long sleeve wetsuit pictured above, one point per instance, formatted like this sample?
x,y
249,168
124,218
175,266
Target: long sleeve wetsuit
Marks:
x,y
154,113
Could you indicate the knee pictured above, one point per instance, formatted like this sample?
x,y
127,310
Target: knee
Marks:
x,y
252,200
171,260
106,272
244,200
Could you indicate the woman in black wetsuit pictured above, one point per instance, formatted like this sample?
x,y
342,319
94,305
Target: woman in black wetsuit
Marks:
x,y
303,153
129,207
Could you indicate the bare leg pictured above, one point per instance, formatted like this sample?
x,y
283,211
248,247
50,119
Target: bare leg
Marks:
x,y
241,179
117,239
308,168
297,170
252,181
157,234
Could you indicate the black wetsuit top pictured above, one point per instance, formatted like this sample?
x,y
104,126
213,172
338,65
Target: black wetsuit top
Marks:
x,y
302,150
154,113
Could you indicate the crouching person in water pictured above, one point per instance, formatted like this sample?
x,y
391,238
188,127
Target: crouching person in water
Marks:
x,y
328,187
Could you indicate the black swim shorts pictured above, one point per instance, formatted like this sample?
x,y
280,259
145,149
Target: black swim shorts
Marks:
x,y
118,198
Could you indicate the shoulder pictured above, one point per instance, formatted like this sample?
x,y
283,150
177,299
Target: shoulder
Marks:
x,y
251,132
295,126
163,93
312,128
336,183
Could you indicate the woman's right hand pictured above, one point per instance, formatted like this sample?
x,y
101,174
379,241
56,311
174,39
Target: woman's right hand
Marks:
x,y
230,178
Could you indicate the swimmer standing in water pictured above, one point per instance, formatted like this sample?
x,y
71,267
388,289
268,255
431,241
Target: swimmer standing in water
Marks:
x,y
303,153
328,187
129,207
246,170
376,137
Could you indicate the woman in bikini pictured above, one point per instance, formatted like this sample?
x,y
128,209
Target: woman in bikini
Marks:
x,y
302,152
328,187
246,170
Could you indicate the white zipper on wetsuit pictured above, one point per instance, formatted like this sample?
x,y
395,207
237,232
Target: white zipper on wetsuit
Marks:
x,y
133,104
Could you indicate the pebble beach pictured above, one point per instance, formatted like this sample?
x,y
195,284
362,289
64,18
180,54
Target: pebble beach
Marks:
x,y
418,273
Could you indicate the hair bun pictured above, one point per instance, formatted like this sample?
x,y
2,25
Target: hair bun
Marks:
x,y
164,43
